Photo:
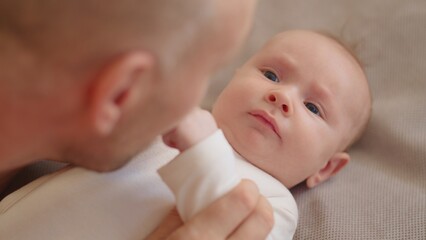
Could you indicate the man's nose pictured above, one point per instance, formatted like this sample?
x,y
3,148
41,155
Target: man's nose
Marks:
x,y
280,100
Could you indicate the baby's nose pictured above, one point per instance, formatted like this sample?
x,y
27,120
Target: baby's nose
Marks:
x,y
280,100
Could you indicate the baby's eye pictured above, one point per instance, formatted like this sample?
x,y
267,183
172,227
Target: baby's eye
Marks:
x,y
313,108
271,76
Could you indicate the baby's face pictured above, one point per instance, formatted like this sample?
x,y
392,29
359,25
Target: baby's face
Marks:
x,y
293,105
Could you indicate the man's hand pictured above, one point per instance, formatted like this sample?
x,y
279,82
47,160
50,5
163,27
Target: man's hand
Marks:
x,y
196,126
241,214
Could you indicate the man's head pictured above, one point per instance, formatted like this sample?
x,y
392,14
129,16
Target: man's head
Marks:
x,y
92,83
295,106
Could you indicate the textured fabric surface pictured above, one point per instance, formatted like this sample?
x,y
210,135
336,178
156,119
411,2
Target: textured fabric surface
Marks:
x,y
382,193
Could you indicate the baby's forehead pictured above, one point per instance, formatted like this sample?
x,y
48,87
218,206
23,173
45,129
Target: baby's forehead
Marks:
x,y
307,49
306,40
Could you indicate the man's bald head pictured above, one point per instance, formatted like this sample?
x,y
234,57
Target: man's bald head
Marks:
x,y
95,81
80,33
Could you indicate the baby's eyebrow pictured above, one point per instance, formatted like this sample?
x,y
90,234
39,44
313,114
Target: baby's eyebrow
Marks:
x,y
324,95
322,91
287,60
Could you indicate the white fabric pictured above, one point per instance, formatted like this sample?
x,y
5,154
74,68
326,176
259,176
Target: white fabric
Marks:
x,y
79,204
208,170
129,203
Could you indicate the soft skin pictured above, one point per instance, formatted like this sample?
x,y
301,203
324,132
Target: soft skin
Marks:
x,y
294,107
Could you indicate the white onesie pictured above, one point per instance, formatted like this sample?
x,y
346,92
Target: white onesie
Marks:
x,y
129,203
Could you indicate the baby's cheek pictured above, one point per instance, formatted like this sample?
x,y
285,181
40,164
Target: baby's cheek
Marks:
x,y
314,146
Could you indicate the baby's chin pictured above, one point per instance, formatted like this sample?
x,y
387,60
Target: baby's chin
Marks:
x,y
240,146
233,141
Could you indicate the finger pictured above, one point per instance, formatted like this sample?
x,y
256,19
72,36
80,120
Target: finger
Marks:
x,y
258,225
167,227
222,217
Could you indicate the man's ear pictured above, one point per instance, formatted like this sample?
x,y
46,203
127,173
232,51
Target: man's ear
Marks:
x,y
118,84
333,166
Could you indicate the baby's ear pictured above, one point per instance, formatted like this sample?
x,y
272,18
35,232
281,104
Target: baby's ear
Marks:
x,y
119,83
333,166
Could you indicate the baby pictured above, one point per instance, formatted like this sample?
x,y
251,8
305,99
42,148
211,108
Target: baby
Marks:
x,y
290,113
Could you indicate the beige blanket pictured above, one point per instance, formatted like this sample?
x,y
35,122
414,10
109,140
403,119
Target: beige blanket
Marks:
x,y
382,193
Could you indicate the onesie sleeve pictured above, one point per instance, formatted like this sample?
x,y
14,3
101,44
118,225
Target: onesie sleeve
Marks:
x,y
285,216
210,169
280,198
201,174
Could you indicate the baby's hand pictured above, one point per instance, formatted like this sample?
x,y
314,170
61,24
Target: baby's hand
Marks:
x,y
196,126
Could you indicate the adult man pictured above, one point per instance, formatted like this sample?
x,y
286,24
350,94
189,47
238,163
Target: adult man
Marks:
x,y
92,83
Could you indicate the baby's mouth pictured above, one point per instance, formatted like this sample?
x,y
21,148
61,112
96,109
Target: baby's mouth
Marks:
x,y
267,120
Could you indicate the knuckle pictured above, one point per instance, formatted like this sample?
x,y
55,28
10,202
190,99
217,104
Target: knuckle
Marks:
x,y
192,235
188,233
265,213
268,220
247,195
